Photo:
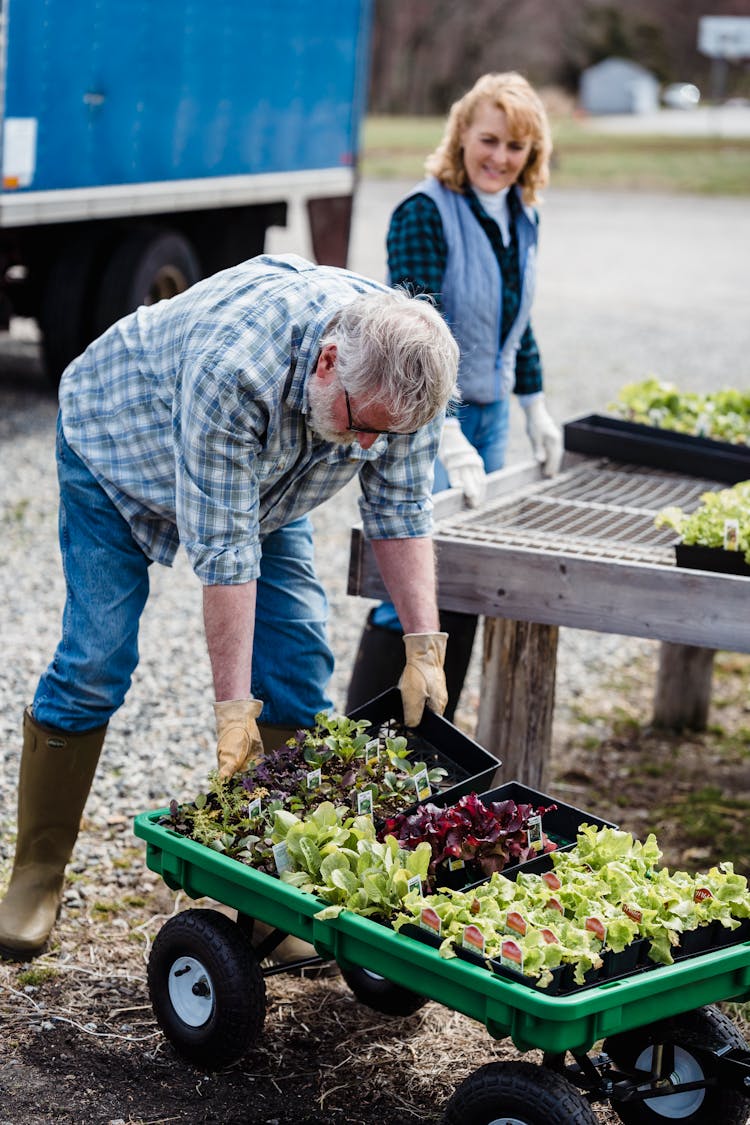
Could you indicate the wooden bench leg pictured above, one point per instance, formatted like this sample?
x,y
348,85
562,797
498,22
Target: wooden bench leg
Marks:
x,y
683,687
517,697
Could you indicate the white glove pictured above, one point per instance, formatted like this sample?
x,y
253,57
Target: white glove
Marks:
x,y
462,463
544,434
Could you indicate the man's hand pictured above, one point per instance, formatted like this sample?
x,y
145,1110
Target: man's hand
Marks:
x,y
239,740
462,463
423,679
544,434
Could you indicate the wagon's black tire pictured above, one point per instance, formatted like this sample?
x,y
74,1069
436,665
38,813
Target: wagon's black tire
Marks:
x,y
147,266
381,994
703,1027
517,1093
207,988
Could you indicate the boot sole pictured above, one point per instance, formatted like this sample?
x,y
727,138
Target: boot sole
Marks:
x,y
8,953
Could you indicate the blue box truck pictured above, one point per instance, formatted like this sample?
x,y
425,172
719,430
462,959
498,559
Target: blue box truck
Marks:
x,y
149,143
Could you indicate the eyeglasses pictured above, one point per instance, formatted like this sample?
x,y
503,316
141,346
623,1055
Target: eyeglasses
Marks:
x,y
357,429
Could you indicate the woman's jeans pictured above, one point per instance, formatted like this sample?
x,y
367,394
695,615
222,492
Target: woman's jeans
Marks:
x,y
486,427
107,584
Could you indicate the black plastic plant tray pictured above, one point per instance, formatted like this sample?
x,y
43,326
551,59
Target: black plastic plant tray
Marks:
x,y
560,824
632,961
618,440
694,557
436,742
616,966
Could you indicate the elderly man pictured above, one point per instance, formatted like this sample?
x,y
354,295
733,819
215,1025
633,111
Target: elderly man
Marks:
x,y
218,420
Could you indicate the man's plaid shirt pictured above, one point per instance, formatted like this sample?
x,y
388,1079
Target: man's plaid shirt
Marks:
x,y
417,254
191,414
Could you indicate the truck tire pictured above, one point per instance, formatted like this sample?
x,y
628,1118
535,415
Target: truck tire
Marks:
x,y
517,1093
66,316
147,266
704,1027
206,987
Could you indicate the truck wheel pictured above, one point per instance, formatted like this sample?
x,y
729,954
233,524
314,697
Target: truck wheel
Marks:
x,y
149,265
381,994
704,1027
517,1093
207,988
66,317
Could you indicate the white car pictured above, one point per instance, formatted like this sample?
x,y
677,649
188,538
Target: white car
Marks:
x,y
681,95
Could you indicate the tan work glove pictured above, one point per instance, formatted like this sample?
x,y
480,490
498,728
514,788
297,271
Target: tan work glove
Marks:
x,y
544,434
239,740
423,679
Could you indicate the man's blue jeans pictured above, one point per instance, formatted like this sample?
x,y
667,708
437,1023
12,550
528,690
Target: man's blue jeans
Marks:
x,y
107,584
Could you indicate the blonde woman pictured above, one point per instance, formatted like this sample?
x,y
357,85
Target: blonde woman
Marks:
x,y
467,236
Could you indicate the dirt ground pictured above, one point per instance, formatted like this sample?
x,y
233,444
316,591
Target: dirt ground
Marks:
x,y
80,1042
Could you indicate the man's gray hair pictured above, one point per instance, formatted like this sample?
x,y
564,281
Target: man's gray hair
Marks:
x,y
396,350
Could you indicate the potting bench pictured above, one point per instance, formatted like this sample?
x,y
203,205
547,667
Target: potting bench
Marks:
x,y
580,550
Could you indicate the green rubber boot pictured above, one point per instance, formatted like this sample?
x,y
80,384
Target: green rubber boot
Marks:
x,y
57,769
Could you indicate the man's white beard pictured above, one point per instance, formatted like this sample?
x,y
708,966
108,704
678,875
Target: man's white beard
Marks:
x,y
320,407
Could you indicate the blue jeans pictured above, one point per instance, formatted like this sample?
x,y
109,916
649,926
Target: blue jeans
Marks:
x,y
486,427
107,584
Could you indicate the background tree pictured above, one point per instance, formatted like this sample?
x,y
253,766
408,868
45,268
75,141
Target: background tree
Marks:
x,y
426,53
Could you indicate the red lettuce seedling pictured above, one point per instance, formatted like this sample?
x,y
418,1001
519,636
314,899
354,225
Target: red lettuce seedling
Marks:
x,y
492,836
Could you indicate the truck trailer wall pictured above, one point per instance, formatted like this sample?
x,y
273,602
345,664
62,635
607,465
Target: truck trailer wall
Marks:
x,y
148,144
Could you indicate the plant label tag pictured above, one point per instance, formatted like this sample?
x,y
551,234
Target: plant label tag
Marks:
x,y
281,857
422,783
473,939
429,919
731,535
515,921
511,955
314,778
364,802
372,748
455,864
253,808
534,833
414,884
595,926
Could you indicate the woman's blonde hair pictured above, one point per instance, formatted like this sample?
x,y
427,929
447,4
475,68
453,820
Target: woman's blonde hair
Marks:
x,y
527,119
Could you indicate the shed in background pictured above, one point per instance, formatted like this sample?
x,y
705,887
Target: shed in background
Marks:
x,y
618,86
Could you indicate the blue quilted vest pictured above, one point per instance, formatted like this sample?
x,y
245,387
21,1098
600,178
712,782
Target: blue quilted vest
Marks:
x,y
473,293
